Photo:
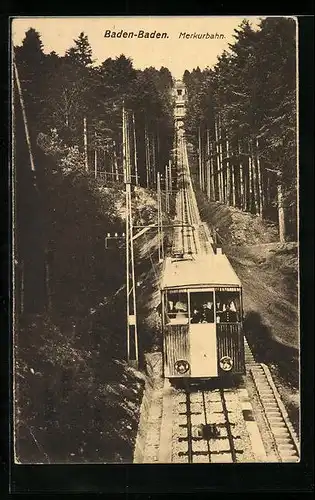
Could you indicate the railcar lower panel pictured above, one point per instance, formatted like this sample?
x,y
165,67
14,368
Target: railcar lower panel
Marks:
x,y
230,342
176,348
203,347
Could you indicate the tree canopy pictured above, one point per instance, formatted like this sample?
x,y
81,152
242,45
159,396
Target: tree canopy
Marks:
x,y
249,97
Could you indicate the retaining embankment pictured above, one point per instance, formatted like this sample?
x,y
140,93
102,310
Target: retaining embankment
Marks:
x,y
153,381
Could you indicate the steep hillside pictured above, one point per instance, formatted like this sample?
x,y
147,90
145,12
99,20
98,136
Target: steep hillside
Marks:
x,y
77,399
269,274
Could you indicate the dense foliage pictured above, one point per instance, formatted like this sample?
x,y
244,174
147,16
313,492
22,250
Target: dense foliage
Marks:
x,y
241,115
74,115
68,93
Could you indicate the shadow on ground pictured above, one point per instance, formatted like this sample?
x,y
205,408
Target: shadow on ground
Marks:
x,y
268,349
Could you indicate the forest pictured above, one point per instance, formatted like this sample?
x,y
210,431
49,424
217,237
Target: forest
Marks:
x,y
241,117
67,160
74,123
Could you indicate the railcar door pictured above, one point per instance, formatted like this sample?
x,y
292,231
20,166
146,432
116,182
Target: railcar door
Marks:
x,y
202,334
203,350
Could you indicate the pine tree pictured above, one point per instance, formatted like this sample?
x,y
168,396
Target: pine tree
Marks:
x,y
81,53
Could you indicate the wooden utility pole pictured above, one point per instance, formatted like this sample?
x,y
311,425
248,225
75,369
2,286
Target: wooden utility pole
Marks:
x,y
170,176
167,191
135,148
131,309
32,164
27,135
85,144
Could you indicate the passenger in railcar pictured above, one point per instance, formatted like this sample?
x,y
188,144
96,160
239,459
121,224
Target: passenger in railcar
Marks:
x,y
177,308
196,316
181,306
228,316
208,312
220,308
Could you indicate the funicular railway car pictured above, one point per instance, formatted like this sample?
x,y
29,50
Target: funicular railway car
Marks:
x,y
202,314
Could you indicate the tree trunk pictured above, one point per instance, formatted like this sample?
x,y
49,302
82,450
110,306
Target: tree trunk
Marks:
x,y
170,176
212,190
242,186
47,282
250,180
85,144
105,160
199,158
267,192
280,210
254,176
260,187
95,160
223,197
233,182
208,164
112,165
154,158
228,174
217,160
147,155
115,162
22,288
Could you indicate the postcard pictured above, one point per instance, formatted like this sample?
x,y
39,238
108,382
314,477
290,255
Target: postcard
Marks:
x,y
155,225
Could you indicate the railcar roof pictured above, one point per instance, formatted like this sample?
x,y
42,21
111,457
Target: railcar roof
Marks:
x,y
208,270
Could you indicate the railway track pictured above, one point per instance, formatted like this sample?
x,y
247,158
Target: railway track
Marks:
x,y
217,424
209,429
190,238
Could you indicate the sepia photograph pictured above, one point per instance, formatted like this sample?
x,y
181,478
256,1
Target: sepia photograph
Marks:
x,y
155,240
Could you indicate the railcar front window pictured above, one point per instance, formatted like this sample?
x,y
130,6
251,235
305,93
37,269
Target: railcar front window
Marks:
x,y
177,307
201,307
228,307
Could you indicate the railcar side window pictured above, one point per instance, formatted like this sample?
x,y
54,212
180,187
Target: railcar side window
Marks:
x,y
228,307
176,307
201,307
